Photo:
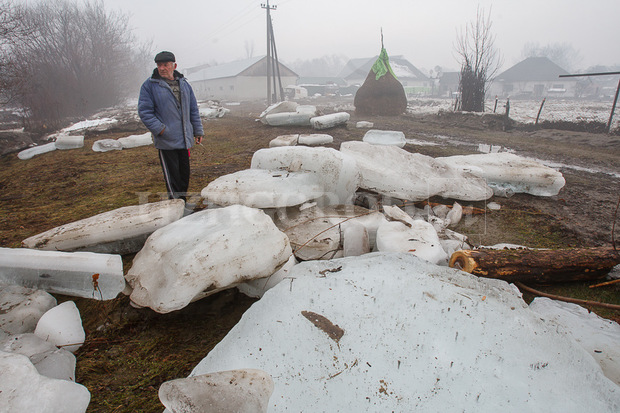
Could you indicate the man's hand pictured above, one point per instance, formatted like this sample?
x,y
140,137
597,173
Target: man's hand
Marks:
x,y
198,140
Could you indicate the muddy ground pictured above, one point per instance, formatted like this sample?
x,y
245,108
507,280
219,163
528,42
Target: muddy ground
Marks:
x,y
130,352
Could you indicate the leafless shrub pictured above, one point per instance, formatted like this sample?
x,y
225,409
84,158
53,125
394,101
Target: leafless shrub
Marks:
x,y
480,61
70,59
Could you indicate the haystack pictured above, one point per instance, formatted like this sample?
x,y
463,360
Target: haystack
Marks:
x,y
381,93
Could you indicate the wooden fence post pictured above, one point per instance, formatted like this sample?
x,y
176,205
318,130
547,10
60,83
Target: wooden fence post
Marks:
x,y
613,108
540,110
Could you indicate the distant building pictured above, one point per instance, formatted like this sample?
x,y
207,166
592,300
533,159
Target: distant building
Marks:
x,y
239,80
448,84
534,77
322,85
413,80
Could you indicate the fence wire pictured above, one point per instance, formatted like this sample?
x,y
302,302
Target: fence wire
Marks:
x,y
584,115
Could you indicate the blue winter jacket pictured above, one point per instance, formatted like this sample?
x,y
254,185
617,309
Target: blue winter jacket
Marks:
x,y
160,111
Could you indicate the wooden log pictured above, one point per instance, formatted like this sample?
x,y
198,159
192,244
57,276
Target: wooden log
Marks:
x,y
540,266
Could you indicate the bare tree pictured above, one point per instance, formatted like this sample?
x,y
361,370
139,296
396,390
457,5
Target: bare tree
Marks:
x,y
75,58
249,49
12,29
327,65
562,54
480,60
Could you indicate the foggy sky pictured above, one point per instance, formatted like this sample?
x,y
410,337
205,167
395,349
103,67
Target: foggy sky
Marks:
x,y
424,31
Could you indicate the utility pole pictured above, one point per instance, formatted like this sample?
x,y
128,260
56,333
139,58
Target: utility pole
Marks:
x,y
273,67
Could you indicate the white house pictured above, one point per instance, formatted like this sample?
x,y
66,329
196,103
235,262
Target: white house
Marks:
x,y
239,80
534,77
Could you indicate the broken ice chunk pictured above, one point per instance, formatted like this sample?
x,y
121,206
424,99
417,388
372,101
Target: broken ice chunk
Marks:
x,y
79,274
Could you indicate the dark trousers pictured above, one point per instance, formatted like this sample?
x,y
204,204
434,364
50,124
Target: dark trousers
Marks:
x,y
175,165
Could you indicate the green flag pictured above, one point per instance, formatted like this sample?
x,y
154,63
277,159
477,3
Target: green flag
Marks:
x,y
382,65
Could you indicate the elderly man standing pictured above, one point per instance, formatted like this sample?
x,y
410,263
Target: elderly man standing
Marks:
x,y
168,108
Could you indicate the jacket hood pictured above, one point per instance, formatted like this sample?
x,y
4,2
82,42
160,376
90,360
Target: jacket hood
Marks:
x,y
156,75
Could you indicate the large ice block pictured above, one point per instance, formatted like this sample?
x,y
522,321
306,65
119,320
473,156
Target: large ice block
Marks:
x,y
69,142
62,326
337,172
23,389
105,145
36,150
133,141
288,118
21,308
259,188
78,274
120,231
203,253
330,121
393,171
385,137
506,170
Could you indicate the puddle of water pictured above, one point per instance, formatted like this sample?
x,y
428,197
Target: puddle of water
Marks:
x,y
558,165
421,143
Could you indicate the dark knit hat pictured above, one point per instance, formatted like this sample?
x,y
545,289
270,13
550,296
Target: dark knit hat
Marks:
x,y
162,57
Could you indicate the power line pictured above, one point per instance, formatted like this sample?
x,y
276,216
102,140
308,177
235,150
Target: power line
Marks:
x,y
235,23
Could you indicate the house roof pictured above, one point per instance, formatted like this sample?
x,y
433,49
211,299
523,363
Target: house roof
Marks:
x,y
359,68
255,66
321,80
532,69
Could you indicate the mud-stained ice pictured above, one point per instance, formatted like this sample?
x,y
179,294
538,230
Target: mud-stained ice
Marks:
x,y
259,188
393,171
204,253
120,231
413,336
506,170
337,172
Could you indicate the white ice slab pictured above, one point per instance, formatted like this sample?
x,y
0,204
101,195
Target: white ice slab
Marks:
x,y
288,118
133,141
36,150
364,124
317,233
21,308
400,334
329,121
55,364
23,389
393,171
598,336
212,113
337,172
279,107
67,273
204,253
355,240
420,239
120,231
315,139
27,344
62,326
244,391
105,145
259,188
69,142
258,287
506,170
284,140
385,137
